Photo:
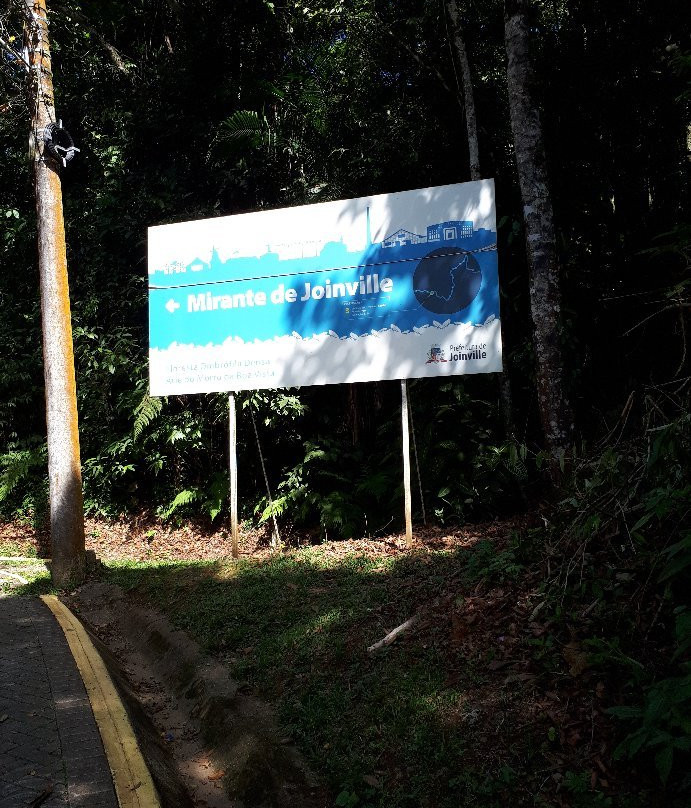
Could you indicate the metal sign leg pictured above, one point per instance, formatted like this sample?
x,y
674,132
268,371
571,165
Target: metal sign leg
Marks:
x,y
233,474
405,426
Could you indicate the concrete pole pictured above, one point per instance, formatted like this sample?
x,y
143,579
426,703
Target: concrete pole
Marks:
x,y
64,468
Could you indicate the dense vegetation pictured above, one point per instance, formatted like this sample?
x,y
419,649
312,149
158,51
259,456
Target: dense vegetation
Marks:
x,y
190,109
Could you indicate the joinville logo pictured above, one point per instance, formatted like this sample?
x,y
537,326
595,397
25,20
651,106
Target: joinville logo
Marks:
x,y
436,354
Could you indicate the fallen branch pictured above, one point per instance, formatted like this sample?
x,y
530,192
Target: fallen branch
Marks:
x,y
20,578
392,635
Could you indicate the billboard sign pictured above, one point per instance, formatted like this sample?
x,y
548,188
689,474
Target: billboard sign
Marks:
x,y
390,286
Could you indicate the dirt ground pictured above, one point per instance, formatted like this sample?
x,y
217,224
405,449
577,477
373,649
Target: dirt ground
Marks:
x,y
144,538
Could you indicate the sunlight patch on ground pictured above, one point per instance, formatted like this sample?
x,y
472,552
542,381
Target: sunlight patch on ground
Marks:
x,y
18,577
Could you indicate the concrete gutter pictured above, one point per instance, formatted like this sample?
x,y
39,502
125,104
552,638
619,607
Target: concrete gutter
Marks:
x,y
134,786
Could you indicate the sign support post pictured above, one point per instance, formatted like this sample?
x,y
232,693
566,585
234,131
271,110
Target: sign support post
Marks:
x,y
233,473
405,426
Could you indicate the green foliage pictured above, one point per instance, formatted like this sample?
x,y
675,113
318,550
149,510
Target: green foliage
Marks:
x,y
347,799
299,102
486,564
635,495
677,558
211,499
338,489
181,499
23,482
245,127
577,786
146,411
608,652
662,723
307,101
15,467
278,409
468,473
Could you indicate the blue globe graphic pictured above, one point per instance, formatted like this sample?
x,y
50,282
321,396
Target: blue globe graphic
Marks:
x,y
447,280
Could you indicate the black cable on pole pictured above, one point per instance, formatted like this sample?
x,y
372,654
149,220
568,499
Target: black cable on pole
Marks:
x,y
59,143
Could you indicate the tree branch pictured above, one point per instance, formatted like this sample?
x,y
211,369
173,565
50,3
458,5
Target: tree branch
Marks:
x,y
392,635
115,56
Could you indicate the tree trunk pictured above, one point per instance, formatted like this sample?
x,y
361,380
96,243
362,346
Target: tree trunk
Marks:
x,y
64,468
505,396
468,96
545,296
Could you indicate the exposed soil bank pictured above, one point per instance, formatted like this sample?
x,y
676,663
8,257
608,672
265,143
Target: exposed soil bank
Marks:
x,y
227,747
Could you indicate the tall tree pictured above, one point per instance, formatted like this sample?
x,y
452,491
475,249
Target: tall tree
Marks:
x,y
461,53
468,94
545,295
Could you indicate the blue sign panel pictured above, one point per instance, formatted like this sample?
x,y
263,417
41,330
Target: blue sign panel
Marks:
x,y
389,286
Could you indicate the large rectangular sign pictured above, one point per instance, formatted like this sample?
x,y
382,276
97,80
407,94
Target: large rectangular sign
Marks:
x,y
383,287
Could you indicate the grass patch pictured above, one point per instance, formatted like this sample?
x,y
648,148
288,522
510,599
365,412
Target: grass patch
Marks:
x,y
398,728
22,578
9,547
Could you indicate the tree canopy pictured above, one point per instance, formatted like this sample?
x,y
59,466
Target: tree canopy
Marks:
x,y
185,110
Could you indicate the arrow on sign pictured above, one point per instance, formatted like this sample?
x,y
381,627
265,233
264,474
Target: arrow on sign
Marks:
x,y
171,305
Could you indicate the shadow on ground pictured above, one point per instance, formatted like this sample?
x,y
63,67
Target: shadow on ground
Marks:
x,y
460,709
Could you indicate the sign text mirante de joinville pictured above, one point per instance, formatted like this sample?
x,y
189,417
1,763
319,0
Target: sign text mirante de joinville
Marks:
x,y
392,286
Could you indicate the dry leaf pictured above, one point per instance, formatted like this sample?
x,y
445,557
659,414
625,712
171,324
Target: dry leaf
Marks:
x,y
459,629
576,658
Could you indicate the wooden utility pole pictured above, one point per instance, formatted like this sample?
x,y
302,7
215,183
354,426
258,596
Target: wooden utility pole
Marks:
x,y
64,468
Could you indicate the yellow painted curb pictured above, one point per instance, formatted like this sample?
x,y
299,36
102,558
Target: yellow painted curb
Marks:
x,y
133,784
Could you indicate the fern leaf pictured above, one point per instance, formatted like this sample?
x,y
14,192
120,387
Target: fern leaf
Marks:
x,y
275,508
146,411
184,497
246,126
517,468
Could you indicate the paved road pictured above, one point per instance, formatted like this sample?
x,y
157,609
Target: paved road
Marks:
x,y
50,749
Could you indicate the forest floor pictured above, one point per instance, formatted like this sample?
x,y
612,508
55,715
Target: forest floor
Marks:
x,y
490,697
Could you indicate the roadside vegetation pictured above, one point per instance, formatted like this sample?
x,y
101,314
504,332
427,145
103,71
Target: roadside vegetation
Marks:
x,y
549,664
